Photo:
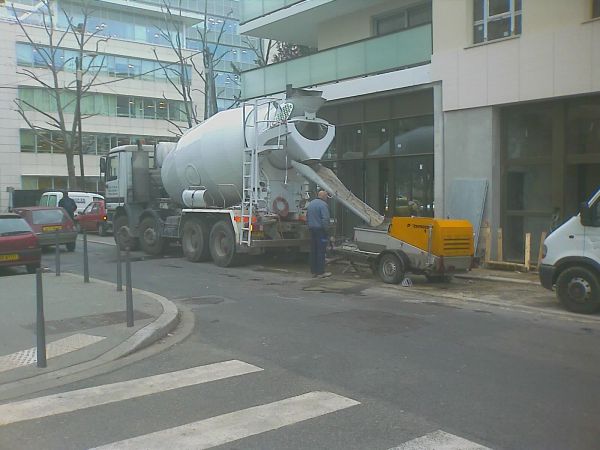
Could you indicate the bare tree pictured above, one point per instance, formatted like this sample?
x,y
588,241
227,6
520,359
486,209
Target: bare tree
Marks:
x,y
60,128
287,51
262,50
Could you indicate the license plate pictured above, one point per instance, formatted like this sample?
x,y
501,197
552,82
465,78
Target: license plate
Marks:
x,y
10,257
51,228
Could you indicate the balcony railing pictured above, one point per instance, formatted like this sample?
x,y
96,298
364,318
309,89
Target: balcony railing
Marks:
x,y
381,54
257,8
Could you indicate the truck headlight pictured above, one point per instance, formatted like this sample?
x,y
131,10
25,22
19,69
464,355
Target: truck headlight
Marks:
x,y
544,251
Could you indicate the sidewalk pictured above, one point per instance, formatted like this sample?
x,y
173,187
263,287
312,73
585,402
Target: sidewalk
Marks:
x,y
85,325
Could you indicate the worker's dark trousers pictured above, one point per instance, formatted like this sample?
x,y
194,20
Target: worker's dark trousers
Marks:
x,y
318,244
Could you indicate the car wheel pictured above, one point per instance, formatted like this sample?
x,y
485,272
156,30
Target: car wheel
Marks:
x,y
578,289
195,241
222,245
71,246
390,268
31,268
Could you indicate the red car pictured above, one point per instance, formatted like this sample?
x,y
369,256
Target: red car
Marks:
x,y
18,244
50,225
93,218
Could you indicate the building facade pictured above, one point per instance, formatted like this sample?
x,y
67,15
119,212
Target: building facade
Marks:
x,y
428,94
132,97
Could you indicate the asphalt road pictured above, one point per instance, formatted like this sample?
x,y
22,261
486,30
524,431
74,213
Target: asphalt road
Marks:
x,y
381,368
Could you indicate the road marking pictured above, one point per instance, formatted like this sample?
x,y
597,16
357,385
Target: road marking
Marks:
x,y
440,440
53,349
115,392
231,427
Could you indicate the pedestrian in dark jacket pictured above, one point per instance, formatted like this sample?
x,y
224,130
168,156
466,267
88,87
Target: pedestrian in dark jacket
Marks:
x,y
68,204
318,224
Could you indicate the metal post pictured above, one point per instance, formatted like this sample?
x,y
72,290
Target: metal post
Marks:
x,y
86,269
129,294
78,93
119,270
40,325
56,255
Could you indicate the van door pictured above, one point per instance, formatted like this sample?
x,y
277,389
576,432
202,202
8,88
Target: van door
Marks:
x,y
52,200
592,233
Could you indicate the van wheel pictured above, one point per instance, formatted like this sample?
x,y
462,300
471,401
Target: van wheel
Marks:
x,y
578,289
195,241
222,245
118,224
151,241
390,268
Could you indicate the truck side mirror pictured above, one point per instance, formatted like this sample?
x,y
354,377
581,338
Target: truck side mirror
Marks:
x,y
102,165
585,215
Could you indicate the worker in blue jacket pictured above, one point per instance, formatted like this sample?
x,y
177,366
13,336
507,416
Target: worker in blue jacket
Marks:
x,y
318,224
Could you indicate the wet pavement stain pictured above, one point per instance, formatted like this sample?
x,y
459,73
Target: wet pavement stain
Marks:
x,y
338,287
87,322
204,300
373,322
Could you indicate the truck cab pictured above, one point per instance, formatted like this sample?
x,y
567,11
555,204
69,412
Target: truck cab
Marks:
x,y
571,260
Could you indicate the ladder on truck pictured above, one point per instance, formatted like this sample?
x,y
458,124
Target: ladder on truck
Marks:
x,y
250,168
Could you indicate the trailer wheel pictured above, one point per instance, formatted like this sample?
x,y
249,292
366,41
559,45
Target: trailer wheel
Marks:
x,y
390,268
151,241
222,245
119,223
195,241
578,289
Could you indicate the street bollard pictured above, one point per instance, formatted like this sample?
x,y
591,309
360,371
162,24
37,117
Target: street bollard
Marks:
x,y
129,293
56,255
86,269
40,325
119,270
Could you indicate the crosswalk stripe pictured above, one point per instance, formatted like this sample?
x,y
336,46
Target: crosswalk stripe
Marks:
x,y
230,427
440,440
115,392
53,349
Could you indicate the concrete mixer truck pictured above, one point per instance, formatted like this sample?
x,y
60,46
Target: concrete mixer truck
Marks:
x,y
235,184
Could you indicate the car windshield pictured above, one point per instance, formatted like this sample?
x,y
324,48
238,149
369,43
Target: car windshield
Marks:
x,y
13,225
45,216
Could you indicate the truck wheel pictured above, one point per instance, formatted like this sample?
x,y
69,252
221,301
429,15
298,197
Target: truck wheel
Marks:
x,y
101,229
120,222
151,241
390,268
195,241
578,289
222,245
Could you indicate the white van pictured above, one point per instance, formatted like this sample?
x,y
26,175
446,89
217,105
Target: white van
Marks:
x,y
571,260
82,199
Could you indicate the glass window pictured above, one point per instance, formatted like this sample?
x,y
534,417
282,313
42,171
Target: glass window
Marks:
x,y
349,141
149,108
583,126
103,144
529,133
27,138
41,58
89,144
596,8
135,67
148,70
121,67
495,19
377,139
162,111
413,135
52,198
528,188
43,141
45,216
123,105
112,171
24,54
58,143
174,110
414,186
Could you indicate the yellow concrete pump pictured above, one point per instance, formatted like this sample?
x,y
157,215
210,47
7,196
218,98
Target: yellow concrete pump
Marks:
x,y
435,248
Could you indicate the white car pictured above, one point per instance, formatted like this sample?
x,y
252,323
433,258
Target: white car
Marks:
x,y
82,199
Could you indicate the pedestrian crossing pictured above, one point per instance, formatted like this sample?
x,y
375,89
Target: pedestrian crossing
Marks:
x,y
208,432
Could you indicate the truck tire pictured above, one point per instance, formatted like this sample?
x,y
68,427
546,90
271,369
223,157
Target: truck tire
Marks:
x,y
151,241
390,268
578,289
120,222
195,241
222,245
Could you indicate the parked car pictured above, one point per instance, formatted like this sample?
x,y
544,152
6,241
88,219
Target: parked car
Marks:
x,y
50,225
93,218
18,244
81,199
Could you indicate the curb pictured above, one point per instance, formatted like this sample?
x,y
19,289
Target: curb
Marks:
x,y
142,338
